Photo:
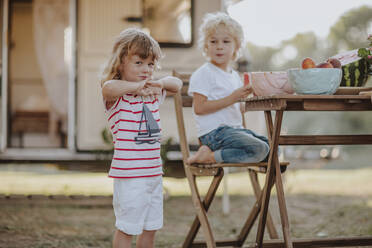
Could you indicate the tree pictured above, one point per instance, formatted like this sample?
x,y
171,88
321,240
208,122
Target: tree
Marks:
x,y
351,30
260,57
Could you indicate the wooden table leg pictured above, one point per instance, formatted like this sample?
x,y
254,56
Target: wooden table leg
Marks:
x,y
279,187
251,219
273,169
282,204
257,191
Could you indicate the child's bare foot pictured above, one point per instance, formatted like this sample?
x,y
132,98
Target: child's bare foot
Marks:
x,y
203,156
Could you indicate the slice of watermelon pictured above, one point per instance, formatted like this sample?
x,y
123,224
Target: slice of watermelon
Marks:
x,y
355,70
246,78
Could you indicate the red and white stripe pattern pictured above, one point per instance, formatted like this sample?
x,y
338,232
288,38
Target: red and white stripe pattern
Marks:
x,y
131,160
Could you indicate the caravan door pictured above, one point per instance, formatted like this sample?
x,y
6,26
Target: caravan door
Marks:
x,y
99,22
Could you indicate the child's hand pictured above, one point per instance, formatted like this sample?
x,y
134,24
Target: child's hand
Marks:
x,y
149,88
155,87
242,92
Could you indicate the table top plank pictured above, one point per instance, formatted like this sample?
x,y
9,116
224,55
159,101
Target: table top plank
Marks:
x,y
309,103
301,97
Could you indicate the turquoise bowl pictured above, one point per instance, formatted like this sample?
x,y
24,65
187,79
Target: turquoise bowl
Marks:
x,y
315,81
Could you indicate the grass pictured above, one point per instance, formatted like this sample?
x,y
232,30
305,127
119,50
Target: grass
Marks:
x,y
302,181
75,223
326,202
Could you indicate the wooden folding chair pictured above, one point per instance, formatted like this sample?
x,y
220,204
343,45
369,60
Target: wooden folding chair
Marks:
x,y
216,170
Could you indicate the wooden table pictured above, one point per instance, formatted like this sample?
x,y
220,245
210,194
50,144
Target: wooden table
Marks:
x,y
280,104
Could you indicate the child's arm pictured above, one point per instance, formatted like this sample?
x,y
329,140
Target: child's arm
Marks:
x,y
203,106
113,89
169,83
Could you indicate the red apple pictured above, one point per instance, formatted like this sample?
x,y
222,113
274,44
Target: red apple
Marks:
x,y
324,65
335,62
308,63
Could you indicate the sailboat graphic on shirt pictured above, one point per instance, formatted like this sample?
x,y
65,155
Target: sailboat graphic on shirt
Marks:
x,y
152,133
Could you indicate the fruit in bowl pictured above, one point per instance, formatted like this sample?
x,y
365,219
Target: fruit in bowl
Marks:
x,y
307,63
324,65
270,83
334,62
315,81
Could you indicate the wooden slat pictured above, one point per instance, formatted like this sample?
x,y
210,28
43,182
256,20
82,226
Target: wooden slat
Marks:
x,y
305,97
340,105
219,243
309,103
325,139
30,121
203,171
269,104
181,126
219,165
324,242
351,90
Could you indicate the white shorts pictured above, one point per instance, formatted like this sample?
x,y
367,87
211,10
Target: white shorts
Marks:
x,y
138,204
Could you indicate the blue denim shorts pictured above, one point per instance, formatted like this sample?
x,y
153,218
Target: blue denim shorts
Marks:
x,y
236,145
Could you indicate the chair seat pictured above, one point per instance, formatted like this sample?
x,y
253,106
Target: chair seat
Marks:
x,y
259,167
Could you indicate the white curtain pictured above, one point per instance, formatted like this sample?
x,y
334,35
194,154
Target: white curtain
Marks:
x,y
50,24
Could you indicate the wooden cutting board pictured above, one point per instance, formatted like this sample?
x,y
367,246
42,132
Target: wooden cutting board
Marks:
x,y
353,90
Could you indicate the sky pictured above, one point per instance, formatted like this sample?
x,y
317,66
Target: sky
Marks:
x,y
268,22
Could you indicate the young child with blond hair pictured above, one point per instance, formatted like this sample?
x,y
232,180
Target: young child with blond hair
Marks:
x,y
132,100
216,89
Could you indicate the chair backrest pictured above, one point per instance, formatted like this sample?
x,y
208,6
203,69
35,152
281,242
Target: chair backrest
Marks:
x,y
181,100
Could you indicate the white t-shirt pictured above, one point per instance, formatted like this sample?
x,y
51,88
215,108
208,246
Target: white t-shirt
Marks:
x,y
215,83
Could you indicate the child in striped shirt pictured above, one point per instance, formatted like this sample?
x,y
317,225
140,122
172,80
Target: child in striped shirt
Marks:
x,y
132,100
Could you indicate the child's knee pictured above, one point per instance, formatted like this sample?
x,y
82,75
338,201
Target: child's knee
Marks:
x,y
124,234
263,151
149,232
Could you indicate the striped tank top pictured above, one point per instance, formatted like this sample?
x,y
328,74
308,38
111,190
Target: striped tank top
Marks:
x,y
135,126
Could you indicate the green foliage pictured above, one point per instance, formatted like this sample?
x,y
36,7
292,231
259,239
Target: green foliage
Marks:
x,y
107,137
165,148
350,30
261,57
347,33
366,53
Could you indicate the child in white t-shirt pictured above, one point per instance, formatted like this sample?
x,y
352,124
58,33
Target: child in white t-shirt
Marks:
x,y
216,89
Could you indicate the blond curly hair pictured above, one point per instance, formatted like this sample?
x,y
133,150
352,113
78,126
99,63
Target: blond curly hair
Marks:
x,y
131,41
212,21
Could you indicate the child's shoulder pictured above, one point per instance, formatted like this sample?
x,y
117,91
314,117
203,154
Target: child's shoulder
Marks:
x,y
203,68
202,72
